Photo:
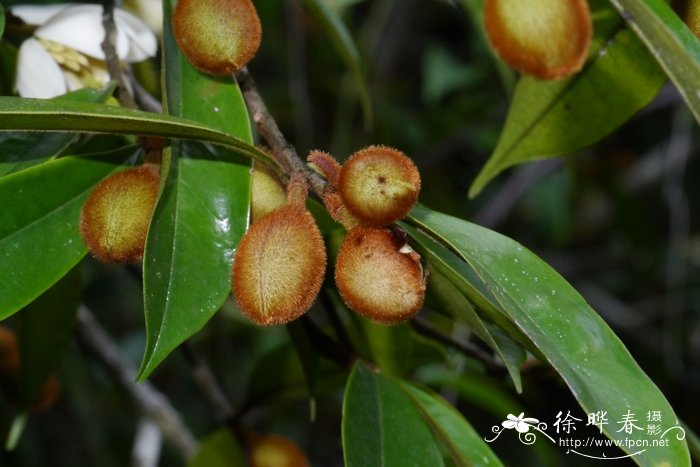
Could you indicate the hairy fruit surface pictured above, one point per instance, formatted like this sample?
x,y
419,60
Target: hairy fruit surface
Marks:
x,y
548,39
217,36
379,185
279,266
114,220
379,276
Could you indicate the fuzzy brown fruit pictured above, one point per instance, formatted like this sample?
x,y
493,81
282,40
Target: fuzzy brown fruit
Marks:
x,y
379,276
114,220
548,39
276,451
379,185
267,193
689,11
217,36
279,266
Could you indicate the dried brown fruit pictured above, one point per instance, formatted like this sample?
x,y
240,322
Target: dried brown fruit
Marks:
x,y
379,185
276,451
379,276
548,39
217,36
279,266
114,220
267,193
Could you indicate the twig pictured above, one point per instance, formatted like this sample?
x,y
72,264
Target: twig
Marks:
x,y
111,58
423,328
147,444
207,382
149,400
283,152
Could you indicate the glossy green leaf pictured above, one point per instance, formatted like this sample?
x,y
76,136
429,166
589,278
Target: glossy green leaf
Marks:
x,y
457,305
465,446
572,337
22,150
670,41
23,114
201,215
219,449
44,330
382,426
556,118
345,46
39,234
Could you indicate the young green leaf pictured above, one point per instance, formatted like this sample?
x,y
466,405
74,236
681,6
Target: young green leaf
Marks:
x,y
382,426
590,358
555,118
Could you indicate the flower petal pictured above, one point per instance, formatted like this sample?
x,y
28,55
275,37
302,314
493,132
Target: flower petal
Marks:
x,y
38,74
142,42
37,14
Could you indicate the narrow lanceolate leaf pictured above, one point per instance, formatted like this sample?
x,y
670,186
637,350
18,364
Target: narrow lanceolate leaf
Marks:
x,y
382,426
44,329
465,446
22,150
589,357
24,114
345,46
39,232
555,118
201,215
670,41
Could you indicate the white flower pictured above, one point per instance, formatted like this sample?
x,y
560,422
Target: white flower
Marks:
x,y
66,50
521,424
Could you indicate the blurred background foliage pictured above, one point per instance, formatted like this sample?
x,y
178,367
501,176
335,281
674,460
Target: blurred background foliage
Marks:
x,y
616,220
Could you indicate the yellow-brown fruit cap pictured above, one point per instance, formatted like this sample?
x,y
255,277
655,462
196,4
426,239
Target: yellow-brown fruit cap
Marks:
x,y
379,185
217,36
689,11
267,193
548,39
276,451
379,276
48,395
279,266
114,220
9,351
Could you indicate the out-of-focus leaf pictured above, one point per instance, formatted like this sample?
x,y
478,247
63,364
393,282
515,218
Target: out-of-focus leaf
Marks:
x,y
8,65
345,46
24,114
22,150
574,339
382,426
391,346
556,118
44,330
459,307
202,212
2,21
465,446
670,41
39,233
219,449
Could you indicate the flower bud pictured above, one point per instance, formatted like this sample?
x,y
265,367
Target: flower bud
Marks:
x,y
279,266
217,36
548,39
379,185
115,218
379,276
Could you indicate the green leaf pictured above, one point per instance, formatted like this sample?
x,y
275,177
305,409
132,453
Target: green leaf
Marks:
x,y
2,20
457,305
391,346
555,118
466,447
670,41
22,150
590,358
381,425
44,330
23,114
39,234
201,214
219,449
345,46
